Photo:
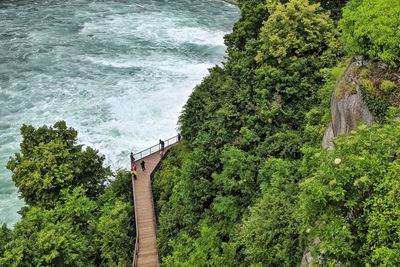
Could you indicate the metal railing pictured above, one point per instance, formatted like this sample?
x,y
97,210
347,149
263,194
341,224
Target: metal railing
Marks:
x,y
156,148
136,249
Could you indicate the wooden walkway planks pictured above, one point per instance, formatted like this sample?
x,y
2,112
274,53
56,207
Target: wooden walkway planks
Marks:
x,y
147,255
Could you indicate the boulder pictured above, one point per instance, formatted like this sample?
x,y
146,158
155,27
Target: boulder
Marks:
x,y
347,105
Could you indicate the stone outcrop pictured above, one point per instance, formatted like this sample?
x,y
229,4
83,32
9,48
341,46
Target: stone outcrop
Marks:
x,y
347,105
307,260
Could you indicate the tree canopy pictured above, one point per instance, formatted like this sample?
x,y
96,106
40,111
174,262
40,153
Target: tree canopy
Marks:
x,y
72,217
51,160
371,28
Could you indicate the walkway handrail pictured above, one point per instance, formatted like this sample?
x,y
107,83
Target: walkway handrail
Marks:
x,y
136,251
153,149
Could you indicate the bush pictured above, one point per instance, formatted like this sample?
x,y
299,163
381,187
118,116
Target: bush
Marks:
x,y
371,28
377,104
350,197
388,86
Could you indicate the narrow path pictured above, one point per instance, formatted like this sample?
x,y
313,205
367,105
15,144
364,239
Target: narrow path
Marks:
x,y
147,254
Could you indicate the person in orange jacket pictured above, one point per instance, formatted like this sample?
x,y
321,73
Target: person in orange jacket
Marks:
x,y
134,171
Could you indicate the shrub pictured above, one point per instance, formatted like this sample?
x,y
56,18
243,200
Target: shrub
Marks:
x,y
388,86
371,28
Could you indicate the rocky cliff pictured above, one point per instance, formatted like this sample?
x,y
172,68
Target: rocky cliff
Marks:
x,y
362,80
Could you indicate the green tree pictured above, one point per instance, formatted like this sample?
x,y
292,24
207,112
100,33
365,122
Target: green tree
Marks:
x,y
181,197
5,237
73,217
206,250
296,42
296,30
51,160
237,188
115,228
57,237
334,6
77,231
113,233
270,234
252,109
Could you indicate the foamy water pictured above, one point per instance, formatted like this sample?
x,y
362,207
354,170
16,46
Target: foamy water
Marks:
x,y
116,72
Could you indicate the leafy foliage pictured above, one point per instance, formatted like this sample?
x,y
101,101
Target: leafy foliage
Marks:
x,y
5,237
296,30
269,234
371,27
347,198
114,240
73,218
235,119
251,185
50,160
61,236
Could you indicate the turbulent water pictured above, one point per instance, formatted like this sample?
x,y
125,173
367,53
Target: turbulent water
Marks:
x,y
117,71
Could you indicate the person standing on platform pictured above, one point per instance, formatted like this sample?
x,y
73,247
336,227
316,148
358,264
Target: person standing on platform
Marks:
x,y
162,145
132,158
142,164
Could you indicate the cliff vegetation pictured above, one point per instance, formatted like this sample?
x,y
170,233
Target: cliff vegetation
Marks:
x,y
75,214
252,185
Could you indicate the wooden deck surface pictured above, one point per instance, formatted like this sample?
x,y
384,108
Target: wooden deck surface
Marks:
x,y
146,221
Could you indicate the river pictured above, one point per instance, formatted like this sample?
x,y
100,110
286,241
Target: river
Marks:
x,y
117,71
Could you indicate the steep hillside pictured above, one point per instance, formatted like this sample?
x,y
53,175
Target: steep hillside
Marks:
x,y
252,184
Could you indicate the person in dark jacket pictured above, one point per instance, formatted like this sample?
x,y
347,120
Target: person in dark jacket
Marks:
x,y
132,158
162,145
142,164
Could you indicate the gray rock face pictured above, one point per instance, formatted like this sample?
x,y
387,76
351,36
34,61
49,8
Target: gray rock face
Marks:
x,y
307,260
347,106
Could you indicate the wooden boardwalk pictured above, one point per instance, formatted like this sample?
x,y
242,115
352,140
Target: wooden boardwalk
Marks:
x,y
147,252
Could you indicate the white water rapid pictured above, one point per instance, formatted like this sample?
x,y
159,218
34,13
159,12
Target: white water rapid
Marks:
x,y
117,71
